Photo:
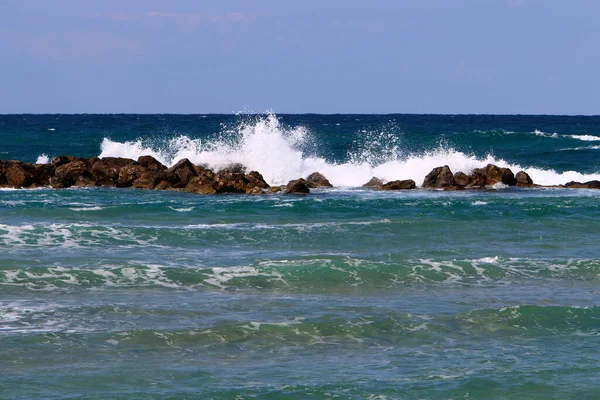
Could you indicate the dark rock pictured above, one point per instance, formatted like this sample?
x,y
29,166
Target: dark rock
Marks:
x,y
199,185
255,179
62,160
374,182
230,182
128,174
67,174
106,170
20,174
316,179
586,185
149,180
276,189
400,185
85,181
163,185
439,178
462,179
492,175
151,164
254,190
233,168
297,186
180,174
523,179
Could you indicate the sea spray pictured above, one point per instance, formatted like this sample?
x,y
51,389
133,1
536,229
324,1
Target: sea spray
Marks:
x,y
282,153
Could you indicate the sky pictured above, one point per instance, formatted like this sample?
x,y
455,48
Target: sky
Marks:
x,y
310,56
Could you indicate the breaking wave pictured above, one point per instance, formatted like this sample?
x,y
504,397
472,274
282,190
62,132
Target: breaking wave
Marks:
x,y
281,153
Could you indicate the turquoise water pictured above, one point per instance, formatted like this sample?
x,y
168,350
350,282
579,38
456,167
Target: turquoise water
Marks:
x,y
343,293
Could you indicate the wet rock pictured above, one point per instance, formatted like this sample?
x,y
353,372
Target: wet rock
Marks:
x,y
586,185
230,182
233,168
20,175
297,186
255,179
374,182
149,180
254,190
128,174
105,171
200,186
523,179
163,185
180,174
62,160
492,175
276,189
407,184
67,174
439,178
151,164
462,179
316,179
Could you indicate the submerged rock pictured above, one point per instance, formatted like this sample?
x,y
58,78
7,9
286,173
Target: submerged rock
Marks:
x,y
317,179
407,184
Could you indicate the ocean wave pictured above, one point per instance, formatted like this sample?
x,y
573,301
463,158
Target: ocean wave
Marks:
x,y
282,153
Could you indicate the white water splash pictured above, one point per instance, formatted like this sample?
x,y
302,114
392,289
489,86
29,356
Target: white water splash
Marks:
x,y
280,154
43,159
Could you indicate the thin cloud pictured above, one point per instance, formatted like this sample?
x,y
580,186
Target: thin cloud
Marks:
x,y
180,18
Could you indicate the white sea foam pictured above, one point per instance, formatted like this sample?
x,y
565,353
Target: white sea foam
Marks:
x,y
586,138
184,209
545,134
43,159
282,153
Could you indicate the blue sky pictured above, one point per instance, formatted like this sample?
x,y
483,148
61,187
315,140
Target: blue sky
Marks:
x,y
379,56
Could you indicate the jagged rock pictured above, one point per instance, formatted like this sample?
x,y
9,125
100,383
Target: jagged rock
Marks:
x,y
400,185
233,168
151,164
255,179
586,185
374,182
62,160
491,175
149,180
85,181
276,189
128,174
180,174
230,182
199,185
317,179
67,174
163,185
105,171
439,178
523,179
462,179
297,186
254,190
20,175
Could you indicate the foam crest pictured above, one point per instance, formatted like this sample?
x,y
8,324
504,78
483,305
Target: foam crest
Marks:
x,y
586,138
281,153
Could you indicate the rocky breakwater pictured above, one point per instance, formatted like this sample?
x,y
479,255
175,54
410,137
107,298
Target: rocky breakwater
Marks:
x,y
145,173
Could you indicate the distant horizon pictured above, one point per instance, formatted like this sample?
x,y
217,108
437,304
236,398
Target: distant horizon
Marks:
x,y
306,113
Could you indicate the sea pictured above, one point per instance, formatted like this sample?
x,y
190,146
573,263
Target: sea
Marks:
x,y
344,293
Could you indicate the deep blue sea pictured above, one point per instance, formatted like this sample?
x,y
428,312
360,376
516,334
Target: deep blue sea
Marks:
x,y
346,293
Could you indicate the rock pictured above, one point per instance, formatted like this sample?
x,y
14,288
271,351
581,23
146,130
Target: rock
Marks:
x,y
198,185
20,175
233,168
297,186
105,171
492,175
180,174
439,178
316,179
400,185
62,160
85,181
149,180
128,174
151,164
255,179
462,179
374,182
230,182
586,185
523,179
254,190
276,189
67,174
163,185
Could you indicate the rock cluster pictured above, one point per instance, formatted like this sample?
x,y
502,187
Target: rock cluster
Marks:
x,y
149,173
